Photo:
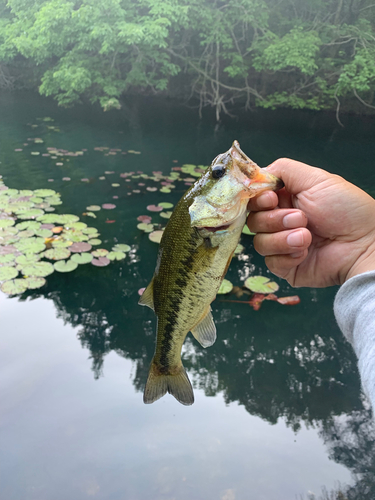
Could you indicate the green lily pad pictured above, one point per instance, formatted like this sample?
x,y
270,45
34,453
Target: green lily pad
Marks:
x,y
7,222
165,190
89,230
156,236
93,208
43,233
7,273
26,234
53,201
77,237
76,225
27,259
36,199
166,215
82,258
116,255
90,214
29,214
147,228
49,219
225,287
14,287
261,284
121,247
41,269
94,242
57,253
246,230
29,224
43,193
60,243
30,245
68,219
100,252
9,257
239,249
65,266
25,192
34,282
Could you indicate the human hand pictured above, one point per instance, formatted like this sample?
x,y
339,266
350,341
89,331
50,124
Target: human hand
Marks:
x,y
318,231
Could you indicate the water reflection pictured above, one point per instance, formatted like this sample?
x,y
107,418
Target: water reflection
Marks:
x,y
274,363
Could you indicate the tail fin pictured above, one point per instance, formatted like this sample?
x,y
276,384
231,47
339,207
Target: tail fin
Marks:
x,y
177,384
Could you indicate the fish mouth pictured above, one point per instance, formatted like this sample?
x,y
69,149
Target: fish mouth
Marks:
x,y
215,229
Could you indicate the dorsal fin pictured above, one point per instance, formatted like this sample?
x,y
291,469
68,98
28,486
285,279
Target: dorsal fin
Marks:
x,y
147,298
205,330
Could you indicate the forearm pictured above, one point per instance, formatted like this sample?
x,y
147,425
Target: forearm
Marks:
x,y
355,314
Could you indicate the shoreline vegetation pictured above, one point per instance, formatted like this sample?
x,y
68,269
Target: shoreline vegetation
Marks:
x,y
304,54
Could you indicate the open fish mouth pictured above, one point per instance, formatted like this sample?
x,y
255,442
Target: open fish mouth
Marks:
x,y
215,229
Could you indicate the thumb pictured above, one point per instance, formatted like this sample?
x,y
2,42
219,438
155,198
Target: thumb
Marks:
x,y
297,176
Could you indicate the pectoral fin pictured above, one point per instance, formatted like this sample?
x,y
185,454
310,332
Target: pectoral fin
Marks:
x,y
205,330
147,298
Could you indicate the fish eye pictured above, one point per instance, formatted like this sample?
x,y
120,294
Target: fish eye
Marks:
x,y
218,171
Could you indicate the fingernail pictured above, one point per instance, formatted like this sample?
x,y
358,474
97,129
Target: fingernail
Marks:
x,y
264,201
295,239
293,220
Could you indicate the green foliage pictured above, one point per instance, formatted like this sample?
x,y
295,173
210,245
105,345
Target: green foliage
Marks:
x,y
301,54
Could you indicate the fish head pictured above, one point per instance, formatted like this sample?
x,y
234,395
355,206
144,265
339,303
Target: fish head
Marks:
x,y
222,193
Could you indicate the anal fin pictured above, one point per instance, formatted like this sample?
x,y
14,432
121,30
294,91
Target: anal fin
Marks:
x,y
205,330
147,298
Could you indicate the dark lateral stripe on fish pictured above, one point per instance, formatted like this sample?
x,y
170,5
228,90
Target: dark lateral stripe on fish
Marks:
x,y
175,302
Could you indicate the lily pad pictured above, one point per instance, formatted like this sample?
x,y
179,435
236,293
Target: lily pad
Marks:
x,y
166,215
100,262
80,247
108,206
14,287
121,247
89,230
239,249
95,242
60,243
30,245
27,259
5,259
65,266
57,253
147,228
43,193
225,287
246,230
93,208
261,284
7,273
7,222
156,236
100,252
34,282
155,208
76,225
68,219
29,214
82,258
43,233
41,269
116,255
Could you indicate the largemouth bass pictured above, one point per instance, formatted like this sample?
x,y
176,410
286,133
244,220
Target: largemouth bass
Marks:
x,y
194,255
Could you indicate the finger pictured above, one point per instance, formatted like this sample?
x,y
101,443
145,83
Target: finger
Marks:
x,y
283,242
284,266
285,199
297,176
265,201
276,220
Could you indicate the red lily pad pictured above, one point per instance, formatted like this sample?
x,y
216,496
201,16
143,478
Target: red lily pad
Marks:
x,y
154,208
100,262
108,206
80,247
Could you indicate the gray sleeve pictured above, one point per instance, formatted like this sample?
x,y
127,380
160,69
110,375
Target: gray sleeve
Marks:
x,y
354,309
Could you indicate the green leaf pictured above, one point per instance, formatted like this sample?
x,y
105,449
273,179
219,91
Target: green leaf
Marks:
x,y
165,204
34,282
7,222
7,273
57,253
120,247
156,236
65,266
95,242
225,287
82,258
261,284
116,255
43,193
29,258
14,287
41,269
246,230
100,252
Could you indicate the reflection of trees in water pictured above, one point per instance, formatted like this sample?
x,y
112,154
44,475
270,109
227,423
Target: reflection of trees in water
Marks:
x,y
277,362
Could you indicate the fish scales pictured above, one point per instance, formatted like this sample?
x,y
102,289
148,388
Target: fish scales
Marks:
x,y
194,255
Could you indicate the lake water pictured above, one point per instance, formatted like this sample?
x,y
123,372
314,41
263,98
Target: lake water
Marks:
x,y
278,414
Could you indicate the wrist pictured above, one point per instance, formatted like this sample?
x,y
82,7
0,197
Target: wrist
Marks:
x,y
364,263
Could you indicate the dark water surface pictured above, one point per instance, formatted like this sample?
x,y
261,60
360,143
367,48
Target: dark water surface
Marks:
x,y
279,412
